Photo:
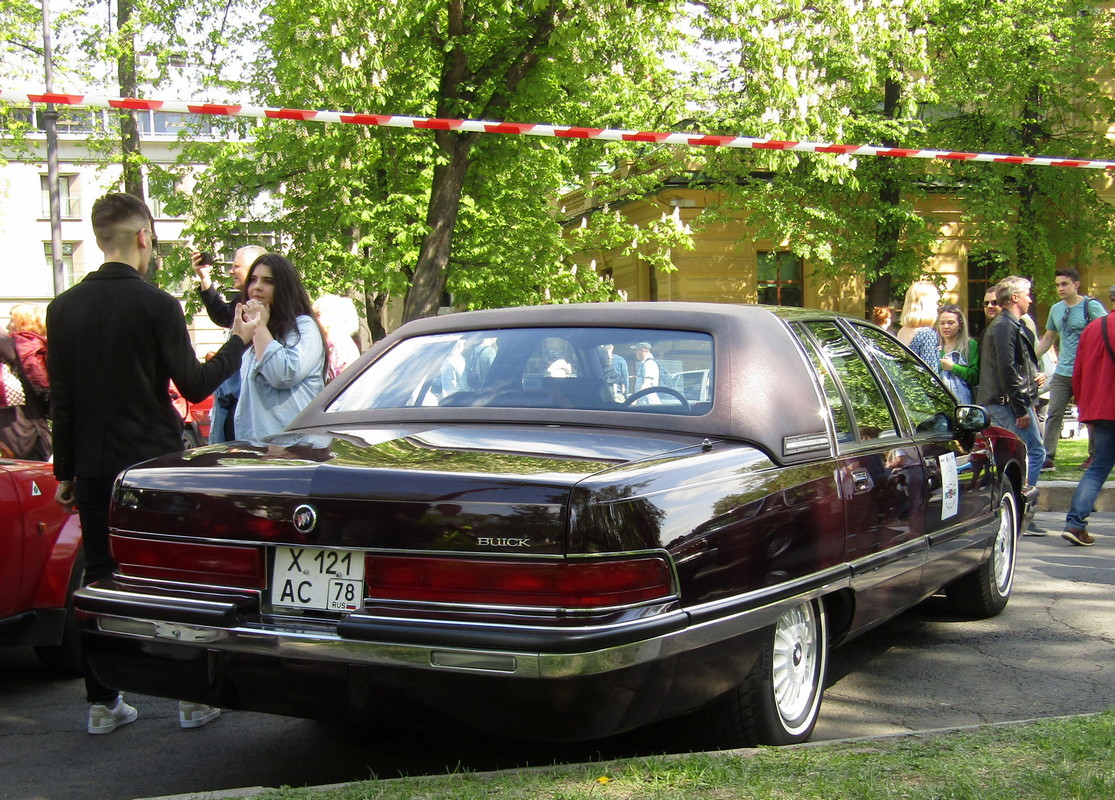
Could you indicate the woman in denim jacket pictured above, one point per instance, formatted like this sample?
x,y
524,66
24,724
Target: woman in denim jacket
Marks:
x,y
284,368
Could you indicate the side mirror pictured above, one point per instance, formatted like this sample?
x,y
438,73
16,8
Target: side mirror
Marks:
x,y
972,419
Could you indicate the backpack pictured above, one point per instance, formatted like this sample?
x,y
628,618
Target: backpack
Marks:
x,y
30,347
1088,308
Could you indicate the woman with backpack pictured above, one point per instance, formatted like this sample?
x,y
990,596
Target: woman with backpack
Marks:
x,y
24,388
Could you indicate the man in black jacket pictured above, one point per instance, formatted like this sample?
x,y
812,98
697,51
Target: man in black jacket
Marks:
x,y
116,342
220,311
1008,373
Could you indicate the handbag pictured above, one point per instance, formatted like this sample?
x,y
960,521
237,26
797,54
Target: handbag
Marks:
x,y
11,386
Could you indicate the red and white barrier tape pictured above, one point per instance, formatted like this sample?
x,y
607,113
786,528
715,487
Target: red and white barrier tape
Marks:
x,y
530,129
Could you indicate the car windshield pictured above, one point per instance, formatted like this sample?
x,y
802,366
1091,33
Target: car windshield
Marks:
x,y
654,371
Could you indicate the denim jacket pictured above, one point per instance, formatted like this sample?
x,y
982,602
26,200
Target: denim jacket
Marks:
x,y
275,389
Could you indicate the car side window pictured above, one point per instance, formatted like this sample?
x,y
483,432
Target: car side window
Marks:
x,y
865,399
930,406
838,411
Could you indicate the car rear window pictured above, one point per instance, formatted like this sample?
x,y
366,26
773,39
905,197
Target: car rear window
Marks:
x,y
595,369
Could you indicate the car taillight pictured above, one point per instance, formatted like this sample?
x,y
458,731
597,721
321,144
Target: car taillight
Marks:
x,y
189,562
576,583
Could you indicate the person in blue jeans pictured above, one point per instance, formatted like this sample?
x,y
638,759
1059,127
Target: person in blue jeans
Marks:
x,y
1008,375
1093,386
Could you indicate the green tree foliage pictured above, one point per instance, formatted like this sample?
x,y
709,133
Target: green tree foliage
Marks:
x,y
1012,77
413,214
1020,77
839,72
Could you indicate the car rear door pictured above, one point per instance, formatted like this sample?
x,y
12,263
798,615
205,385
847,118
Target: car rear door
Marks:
x,y
882,477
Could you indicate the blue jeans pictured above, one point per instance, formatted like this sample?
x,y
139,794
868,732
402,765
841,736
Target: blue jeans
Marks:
x,y
1084,498
1030,435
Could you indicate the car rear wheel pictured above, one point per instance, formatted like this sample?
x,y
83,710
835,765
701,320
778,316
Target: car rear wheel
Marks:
x,y
780,700
984,592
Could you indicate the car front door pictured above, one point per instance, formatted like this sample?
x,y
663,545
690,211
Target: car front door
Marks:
x,y
11,546
960,487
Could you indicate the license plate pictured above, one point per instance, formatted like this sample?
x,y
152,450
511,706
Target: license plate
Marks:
x,y
321,579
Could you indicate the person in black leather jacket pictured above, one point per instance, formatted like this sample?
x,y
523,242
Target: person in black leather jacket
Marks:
x,y
1008,372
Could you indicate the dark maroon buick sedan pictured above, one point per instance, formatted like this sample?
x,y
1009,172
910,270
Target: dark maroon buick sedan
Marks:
x,y
564,522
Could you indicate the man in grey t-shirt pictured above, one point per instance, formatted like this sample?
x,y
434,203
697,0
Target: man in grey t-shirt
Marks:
x,y
1067,320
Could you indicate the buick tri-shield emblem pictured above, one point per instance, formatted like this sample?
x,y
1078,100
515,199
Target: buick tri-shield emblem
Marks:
x,y
305,518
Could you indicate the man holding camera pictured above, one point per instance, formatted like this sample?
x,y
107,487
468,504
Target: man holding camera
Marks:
x,y
221,311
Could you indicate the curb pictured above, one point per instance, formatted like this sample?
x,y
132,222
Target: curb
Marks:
x,y
1057,495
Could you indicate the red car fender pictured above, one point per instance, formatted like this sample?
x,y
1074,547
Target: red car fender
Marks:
x,y
54,583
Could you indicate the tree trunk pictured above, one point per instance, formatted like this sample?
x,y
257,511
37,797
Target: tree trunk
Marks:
x,y
424,297
888,231
375,307
131,156
1029,192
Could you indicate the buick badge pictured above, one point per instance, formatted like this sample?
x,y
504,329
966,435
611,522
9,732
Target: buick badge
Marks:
x,y
305,518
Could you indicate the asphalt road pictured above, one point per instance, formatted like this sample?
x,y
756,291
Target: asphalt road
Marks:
x,y
1050,653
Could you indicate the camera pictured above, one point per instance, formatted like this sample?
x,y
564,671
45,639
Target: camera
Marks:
x,y
206,259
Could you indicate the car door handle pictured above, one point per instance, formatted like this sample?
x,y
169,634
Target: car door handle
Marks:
x,y
861,481
931,466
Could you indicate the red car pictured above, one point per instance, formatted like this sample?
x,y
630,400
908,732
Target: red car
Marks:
x,y
195,418
40,567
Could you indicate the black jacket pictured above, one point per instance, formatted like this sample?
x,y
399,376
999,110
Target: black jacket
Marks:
x,y
116,342
220,310
1008,365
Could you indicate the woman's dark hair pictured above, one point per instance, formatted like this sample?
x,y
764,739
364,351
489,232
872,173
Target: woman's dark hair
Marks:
x,y
289,301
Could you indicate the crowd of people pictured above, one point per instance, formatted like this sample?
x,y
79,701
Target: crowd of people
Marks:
x,y
1010,371
116,343
86,382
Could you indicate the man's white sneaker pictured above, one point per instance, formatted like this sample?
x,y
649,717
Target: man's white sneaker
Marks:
x,y
194,715
106,719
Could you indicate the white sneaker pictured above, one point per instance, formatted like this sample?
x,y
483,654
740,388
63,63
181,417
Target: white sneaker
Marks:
x,y
106,719
194,715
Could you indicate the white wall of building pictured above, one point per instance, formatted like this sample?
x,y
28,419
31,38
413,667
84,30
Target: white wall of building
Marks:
x,y
26,274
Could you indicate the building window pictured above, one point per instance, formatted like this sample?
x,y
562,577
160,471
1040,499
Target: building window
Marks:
x,y
68,250
984,270
74,121
70,202
780,279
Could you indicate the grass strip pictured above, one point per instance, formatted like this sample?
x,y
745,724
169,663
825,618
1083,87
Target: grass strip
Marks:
x,y
1068,758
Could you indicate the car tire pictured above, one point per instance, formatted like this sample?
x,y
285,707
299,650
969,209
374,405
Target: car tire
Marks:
x,y
190,437
780,700
985,591
64,659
